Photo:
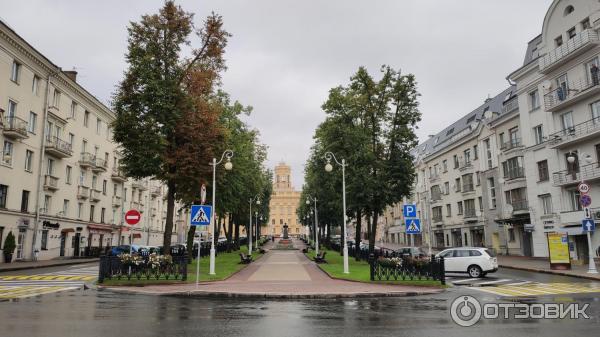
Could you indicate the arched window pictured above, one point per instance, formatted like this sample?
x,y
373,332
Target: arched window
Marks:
x,y
569,10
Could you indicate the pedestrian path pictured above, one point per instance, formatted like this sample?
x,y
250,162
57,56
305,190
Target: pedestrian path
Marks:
x,y
22,286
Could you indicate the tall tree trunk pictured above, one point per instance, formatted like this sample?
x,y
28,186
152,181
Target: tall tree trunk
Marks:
x,y
190,243
373,233
357,235
237,235
369,219
328,235
169,221
230,232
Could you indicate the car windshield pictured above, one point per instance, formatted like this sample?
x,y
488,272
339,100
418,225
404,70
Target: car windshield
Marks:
x,y
490,252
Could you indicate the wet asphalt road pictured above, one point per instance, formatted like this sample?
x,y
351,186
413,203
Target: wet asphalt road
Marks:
x,y
101,313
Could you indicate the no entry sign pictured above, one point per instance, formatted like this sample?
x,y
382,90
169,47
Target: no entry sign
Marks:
x,y
132,217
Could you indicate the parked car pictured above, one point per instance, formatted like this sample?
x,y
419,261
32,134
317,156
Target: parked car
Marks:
x,y
476,262
117,250
414,252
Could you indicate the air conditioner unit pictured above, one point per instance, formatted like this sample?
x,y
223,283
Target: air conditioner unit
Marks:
x,y
597,215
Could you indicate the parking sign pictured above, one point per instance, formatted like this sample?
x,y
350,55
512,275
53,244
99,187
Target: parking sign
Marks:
x,y
410,211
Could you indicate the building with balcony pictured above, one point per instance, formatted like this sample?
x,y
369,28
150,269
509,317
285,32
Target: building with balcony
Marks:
x,y
78,185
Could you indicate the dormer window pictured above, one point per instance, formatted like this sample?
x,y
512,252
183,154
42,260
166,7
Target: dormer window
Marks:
x,y
571,33
558,41
570,9
585,24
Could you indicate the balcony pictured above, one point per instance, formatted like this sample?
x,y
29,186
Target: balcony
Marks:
x,y
15,128
95,195
563,97
470,215
100,165
510,105
87,160
570,49
514,173
588,172
83,192
511,144
466,188
58,147
118,175
434,177
464,165
437,218
116,201
140,185
50,183
520,206
155,191
577,133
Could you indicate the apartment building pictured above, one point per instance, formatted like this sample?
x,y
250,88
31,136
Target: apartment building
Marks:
x,y
61,190
559,99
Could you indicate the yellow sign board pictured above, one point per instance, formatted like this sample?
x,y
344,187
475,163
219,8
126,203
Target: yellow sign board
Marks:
x,y
558,246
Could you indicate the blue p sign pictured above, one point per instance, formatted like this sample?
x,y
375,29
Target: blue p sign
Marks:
x,y
410,211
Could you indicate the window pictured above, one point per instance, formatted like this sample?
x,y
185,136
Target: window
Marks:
x,y
513,168
35,85
82,177
492,189
32,122
467,153
7,153
71,139
571,33
56,99
445,165
467,180
80,210
534,100
92,213
568,10
47,204
447,187
44,239
1,236
480,200
460,207
86,118
538,134
457,184
3,195
25,201
598,154
585,24
543,170
102,212
558,41
563,87
65,209
28,161
68,171
501,138
50,167
546,201
15,72
448,210
125,194
511,234
98,125
478,178
574,196
514,137
488,153
104,182
567,123
455,161
475,152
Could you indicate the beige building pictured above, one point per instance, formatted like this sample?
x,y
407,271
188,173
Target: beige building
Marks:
x,y
284,201
61,190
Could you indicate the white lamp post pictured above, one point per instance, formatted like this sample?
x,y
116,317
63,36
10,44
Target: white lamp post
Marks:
x,y
250,201
592,265
329,168
228,166
308,199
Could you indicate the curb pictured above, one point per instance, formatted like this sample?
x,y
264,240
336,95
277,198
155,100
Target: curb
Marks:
x,y
67,263
552,272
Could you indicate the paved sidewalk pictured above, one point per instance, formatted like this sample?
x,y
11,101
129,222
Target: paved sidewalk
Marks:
x,y
42,264
541,265
281,274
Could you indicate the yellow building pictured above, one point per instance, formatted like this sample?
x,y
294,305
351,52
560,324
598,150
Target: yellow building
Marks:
x,y
284,202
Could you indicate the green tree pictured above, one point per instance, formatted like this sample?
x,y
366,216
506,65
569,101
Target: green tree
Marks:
x,y
164,100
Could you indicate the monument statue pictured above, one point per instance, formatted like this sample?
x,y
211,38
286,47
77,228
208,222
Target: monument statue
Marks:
x,y
285,231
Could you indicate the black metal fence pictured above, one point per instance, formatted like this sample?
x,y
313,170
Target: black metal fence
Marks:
x,y
112,267
407,268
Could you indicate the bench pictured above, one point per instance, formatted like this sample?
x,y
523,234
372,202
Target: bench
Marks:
x,y
245,259
320,258
304,250
262,251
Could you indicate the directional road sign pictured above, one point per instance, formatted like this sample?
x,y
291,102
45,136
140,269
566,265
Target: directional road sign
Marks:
x,y
586,200
132,217
588,225
410,211
413,226
200,215
583,188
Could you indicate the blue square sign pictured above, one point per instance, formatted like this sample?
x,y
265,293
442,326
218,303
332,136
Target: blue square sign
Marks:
x,y
410,211
200,215
413,226
588,225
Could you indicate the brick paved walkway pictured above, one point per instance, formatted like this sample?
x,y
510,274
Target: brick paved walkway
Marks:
x,y
281,274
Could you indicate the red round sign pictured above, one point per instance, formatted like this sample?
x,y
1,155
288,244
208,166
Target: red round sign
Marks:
x,y
132,217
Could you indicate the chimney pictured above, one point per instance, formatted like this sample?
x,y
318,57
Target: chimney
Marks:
x,y
72,74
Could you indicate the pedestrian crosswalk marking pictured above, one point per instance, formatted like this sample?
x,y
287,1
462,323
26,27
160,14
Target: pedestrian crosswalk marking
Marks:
x,y
48,278
540,289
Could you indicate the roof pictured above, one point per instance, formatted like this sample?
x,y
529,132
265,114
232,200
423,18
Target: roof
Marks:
x,y
464,126
532,50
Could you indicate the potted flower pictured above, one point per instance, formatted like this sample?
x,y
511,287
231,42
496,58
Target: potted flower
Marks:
x,y
9,247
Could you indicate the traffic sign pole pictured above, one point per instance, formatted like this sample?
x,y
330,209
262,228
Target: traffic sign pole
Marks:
x,y
592,267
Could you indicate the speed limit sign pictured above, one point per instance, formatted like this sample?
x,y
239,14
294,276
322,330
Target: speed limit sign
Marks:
x,y
583,188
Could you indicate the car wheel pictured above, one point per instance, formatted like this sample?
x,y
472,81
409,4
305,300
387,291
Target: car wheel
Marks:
x,y
475,271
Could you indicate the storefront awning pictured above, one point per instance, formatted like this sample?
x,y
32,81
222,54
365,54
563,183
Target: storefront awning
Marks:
x,y
99,228
137,235
67,230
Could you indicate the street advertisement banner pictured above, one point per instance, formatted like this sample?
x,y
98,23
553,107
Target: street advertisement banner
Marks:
x,y
558,247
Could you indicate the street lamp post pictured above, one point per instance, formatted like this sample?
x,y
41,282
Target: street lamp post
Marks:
x,y
228,166
592,264
329,168
250,201
308,199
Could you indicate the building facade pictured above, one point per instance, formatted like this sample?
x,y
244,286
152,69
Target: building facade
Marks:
x,y
62,193
284,202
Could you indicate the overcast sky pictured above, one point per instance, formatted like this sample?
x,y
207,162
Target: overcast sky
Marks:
x,y
285,55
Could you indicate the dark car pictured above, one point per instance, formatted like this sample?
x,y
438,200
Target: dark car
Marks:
x,y
414,252
117,250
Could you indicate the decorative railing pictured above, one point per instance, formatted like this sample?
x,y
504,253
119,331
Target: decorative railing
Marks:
x,y
50,182
520,205
437,218
470,213
100,164
514,173
87,159
15,124
586,172
138,267
407,268
59,145
576,131
556,55
468,187
511,144
83,192
510,105
569,92
465,164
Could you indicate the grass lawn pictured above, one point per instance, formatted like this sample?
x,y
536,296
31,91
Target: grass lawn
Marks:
x,y
225,265
359,270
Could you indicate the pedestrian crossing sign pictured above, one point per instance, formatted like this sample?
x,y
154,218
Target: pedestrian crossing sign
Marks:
x,y
200,215
413,226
